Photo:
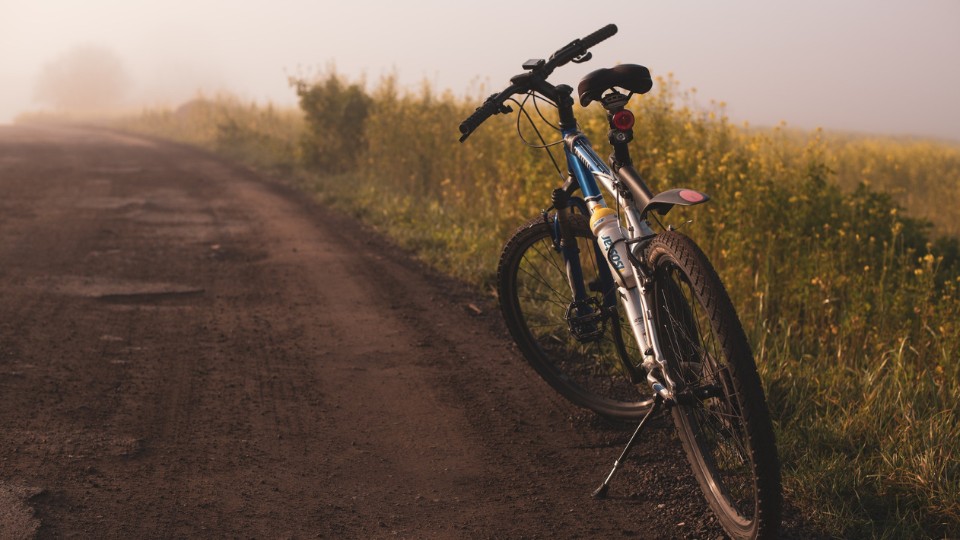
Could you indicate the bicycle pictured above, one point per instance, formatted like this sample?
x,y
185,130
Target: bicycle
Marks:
x,y
602,306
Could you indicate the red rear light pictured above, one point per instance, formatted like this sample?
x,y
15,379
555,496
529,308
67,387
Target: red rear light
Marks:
x,y
623,120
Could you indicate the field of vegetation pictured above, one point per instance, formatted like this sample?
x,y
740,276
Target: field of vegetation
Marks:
x,y
839,251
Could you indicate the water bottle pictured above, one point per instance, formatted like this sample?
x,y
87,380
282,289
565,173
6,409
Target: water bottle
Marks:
x,y
606,227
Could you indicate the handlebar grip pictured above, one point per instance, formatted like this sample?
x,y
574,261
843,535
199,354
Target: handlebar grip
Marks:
x,y
488,109
604,33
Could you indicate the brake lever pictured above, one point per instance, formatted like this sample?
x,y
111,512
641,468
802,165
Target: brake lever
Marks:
x,y
582,58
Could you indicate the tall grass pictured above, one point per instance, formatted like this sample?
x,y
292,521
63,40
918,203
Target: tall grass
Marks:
x,y
262,136
851,305
921,174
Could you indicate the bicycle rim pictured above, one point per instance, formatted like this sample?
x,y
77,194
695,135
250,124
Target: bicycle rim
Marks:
x,y
721,417
536,299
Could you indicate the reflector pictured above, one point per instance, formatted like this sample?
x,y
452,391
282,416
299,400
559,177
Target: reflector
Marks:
x,y
623,120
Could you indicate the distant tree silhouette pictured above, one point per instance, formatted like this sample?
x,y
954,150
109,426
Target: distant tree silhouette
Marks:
x,y
85,78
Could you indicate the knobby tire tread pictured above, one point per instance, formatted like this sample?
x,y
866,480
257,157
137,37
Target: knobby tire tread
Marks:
x,y
733,341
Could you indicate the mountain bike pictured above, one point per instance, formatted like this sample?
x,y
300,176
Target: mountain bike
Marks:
x,y
624,316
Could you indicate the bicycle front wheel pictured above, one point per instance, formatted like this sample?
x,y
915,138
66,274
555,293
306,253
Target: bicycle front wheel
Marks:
x,y
578,347
722,417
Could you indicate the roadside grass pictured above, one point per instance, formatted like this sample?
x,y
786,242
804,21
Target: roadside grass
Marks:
x,y
850,300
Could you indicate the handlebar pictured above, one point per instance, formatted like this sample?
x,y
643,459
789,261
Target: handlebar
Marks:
x,y
578,47
575,51
606,32
491,106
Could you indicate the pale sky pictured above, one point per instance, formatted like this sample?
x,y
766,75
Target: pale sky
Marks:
x,y
879,66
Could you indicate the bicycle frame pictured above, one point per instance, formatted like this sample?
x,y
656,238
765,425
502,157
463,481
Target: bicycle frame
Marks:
x,y
586,168
660,279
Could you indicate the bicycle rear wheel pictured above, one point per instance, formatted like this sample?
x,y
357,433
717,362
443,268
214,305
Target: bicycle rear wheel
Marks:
x,y
722,417
577,347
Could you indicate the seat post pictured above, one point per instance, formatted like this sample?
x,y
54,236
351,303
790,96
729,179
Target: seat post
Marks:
x,y
619,136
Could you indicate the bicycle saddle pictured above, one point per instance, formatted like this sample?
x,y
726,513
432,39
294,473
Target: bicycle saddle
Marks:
x,y
632,77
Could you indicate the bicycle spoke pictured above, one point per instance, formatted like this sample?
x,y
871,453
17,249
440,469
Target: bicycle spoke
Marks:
x,y
687,337
588,364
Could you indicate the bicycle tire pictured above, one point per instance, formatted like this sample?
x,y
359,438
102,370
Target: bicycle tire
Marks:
x,y
722,418
535,298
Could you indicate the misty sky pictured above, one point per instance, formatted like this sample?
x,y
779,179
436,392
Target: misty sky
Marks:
x,y
864,65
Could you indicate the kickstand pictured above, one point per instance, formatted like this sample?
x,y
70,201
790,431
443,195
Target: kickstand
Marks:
x,y
601,491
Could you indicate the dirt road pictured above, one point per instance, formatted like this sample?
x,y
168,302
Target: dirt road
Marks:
x,y
188,350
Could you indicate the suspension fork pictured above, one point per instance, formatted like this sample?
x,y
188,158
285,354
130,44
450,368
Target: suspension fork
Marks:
x,y
565,240
563,231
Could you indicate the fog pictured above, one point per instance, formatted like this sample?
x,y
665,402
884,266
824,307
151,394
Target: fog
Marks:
x,y
871,66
